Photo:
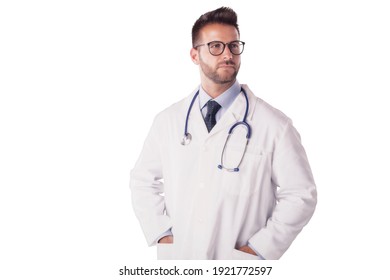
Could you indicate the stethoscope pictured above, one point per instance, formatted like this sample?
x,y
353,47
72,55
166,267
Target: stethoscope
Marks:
x,y
187,136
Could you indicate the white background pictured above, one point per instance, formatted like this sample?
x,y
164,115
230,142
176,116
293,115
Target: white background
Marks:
x,y
81,81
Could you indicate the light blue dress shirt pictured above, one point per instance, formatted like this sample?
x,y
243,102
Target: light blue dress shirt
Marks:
x,y
225,99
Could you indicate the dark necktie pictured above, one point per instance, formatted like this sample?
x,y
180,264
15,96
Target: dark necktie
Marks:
x,y
212,109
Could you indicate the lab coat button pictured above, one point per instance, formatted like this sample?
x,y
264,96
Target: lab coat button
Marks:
x,y
200,220
201,185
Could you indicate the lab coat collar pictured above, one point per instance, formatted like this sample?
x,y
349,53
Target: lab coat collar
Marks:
x,y
197,127
235,112
239,109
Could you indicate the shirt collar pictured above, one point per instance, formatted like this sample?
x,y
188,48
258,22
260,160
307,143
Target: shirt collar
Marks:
x,y
225,99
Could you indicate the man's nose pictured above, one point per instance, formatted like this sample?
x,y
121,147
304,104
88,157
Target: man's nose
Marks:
x,y
227,54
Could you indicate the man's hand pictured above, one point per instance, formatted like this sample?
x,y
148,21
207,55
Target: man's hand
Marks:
x,y
248,250
166,239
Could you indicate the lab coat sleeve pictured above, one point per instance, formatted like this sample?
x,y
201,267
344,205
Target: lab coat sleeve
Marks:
x,y
296,196
147,187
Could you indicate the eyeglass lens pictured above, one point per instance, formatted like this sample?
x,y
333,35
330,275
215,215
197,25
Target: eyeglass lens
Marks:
x,y
217,48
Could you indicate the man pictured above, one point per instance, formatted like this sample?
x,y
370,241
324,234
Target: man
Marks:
x,y
208,197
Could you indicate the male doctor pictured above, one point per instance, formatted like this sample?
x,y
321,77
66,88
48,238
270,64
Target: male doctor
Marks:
x,y
199,195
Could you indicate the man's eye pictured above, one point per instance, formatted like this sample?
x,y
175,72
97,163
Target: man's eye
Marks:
x,y
216,45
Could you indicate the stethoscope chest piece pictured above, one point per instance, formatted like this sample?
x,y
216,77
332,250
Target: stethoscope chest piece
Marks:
x,y
186,139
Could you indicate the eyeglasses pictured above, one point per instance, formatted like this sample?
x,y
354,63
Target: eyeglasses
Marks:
x,y
217,47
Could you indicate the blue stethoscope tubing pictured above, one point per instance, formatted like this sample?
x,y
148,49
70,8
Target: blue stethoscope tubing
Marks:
x,y
187,136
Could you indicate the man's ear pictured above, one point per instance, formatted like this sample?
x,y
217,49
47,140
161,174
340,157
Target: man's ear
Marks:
x,y
194,56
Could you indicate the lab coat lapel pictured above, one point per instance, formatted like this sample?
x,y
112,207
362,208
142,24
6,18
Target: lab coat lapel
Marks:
x,y
196,125
228,119
235,113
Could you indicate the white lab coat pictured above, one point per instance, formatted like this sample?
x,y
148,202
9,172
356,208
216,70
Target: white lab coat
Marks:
x,y
213,212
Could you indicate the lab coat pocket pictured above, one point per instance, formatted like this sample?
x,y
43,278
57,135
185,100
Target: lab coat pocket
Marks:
x,y
165,251
246,180
240,255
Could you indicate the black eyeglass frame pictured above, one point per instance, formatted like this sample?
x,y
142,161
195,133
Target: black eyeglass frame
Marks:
x,y
224,46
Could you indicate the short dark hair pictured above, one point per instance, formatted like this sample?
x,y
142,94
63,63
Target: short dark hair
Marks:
x,y
223,15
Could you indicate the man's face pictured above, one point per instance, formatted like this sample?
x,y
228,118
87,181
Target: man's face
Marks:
x,y
220,69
